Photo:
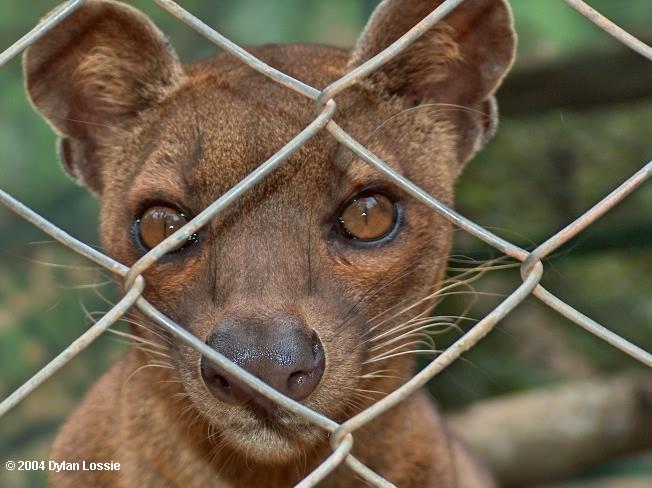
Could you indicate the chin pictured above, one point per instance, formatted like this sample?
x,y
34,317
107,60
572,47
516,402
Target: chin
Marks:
x,y
276,437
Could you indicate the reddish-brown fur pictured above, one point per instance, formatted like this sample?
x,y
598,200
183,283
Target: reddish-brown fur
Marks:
x,y
137,126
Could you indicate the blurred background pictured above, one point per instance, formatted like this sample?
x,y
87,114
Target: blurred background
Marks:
x,y
576,120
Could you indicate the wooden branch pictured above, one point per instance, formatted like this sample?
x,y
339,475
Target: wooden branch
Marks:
x,y
578,83
550,434
610,482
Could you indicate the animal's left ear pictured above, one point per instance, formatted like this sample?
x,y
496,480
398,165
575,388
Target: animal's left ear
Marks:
x,y
460,61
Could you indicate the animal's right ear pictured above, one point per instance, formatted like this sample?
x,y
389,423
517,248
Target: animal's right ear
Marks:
x,y
93,74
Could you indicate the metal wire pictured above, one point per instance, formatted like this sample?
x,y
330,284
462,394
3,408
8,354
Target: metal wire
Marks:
x,y
610,28
342,435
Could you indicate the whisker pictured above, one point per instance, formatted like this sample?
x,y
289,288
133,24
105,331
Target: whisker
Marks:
x,y
361,395
422,329
59,265
411,351
362,390
142,368
139,340
147,328
383,355
379,373
375,289
84,286
443,320
475,275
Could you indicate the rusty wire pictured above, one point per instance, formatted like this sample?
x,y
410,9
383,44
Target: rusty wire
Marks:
x,y
341,435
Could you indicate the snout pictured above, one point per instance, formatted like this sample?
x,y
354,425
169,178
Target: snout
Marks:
x,y
282,352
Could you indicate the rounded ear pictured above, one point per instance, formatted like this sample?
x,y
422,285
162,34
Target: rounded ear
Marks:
x,y
92,74
460,61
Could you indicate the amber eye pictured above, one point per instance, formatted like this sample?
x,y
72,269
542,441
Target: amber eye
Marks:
x,y
159,222
369,218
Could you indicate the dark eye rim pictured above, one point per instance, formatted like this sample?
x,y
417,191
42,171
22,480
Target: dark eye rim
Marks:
x,y
378,241
135,226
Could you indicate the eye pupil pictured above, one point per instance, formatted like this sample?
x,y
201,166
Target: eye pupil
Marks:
x,y
159,222
369,217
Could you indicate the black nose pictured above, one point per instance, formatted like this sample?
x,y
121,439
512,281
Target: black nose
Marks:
x,y
282,352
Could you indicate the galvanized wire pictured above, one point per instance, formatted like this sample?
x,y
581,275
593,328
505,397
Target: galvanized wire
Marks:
x,y
342,435
610,28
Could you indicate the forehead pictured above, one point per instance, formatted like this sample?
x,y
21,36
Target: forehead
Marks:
x,y
215,133
228,119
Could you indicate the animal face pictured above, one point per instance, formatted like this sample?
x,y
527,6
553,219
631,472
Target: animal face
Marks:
x,y
317,278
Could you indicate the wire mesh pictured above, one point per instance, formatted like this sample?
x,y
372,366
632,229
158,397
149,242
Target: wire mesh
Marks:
x,y
341,434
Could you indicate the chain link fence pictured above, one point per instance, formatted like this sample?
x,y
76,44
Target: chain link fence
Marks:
x,y
341,434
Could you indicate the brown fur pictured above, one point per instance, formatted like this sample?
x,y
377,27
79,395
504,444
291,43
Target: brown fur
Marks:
x,y
136,126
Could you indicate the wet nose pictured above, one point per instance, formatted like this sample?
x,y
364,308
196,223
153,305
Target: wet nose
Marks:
x,y
282,352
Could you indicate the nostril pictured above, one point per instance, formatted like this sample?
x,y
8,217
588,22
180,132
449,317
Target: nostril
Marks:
x,y
300,384
222,383
217,384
